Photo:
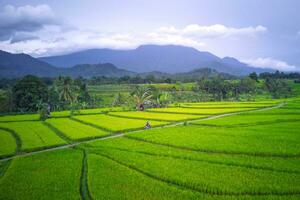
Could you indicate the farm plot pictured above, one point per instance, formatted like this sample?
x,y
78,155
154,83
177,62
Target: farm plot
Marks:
x,y
116,124
12,118
86,111
157,116
75,130
126,144
208,178
228,105
263,140
251,119
8,144
288,113
51,175
200,111
33,135
110,180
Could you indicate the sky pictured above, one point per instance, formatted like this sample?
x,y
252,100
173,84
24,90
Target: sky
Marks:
x,y
261,33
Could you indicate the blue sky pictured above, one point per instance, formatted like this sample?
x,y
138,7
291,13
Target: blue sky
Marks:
x,y
263,33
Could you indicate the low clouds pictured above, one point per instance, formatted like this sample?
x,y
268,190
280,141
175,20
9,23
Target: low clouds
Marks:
x,y
271,63
24,19
36,30
217,30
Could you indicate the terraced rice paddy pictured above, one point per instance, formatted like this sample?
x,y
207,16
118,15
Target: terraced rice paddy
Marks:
x,y
199,111
157,116
7,143
14,118
51,175
75,130
86,111
250,155
33,135
116,124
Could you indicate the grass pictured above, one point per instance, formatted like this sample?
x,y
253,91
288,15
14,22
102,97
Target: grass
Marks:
x,y
75,130
51,175
227,105
33,135
254,155
8,144
116,124
128,184
157,116
86,111
196,111
287,113
207,177
265,140
288,165
25,117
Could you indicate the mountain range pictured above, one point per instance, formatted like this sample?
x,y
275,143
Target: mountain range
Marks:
x,y
18,65
145,60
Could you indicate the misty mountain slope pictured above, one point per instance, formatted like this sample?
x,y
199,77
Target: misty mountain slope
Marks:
x,y
88,71
17,65
167,58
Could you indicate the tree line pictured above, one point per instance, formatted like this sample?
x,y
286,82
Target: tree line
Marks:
x,y
31,94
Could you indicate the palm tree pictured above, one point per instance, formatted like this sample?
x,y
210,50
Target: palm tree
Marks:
x,y
66,89
140,96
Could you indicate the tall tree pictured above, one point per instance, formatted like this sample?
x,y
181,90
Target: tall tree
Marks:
x,y
141,95
28,93
254,76
66,89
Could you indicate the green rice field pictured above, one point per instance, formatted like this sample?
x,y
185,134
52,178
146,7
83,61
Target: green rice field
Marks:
x,y
213,150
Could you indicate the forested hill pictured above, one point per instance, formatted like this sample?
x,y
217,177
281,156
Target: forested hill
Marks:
x,y
18,65
145,58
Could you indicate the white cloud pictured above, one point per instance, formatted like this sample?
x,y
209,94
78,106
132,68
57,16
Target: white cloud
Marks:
x,y
271,63
36,30
217,30
25,19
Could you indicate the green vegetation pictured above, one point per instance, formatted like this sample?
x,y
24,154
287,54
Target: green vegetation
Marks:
x,y
127,183
87,111
33,135
28,93
156,116
263,140
51,175
13,118
204,150
8,144
207,177
116,124
254,162
196,111
75,130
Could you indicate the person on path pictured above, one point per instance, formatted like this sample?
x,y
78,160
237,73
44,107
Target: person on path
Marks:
x,y
147,126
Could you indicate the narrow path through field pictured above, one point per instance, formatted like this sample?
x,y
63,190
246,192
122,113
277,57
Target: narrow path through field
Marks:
x,y
84,189
131,132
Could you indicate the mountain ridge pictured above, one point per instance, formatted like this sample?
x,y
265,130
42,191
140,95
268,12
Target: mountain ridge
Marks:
x,y
163,58
18,65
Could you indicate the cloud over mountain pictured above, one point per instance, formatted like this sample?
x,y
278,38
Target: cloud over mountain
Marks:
x,y
271,63
25,19
216,30
36,30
